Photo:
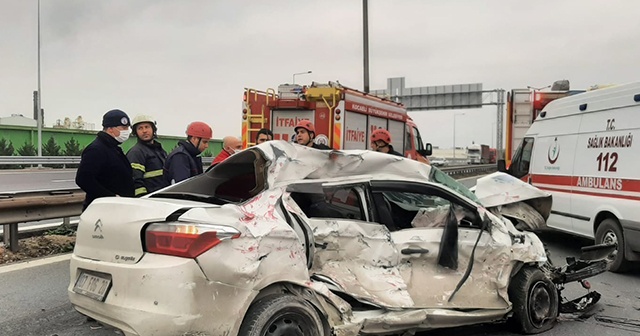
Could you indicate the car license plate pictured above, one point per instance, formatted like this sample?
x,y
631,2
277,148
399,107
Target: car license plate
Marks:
x,y
95,285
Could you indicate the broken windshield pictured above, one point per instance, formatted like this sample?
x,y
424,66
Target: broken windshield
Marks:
x,y
441,177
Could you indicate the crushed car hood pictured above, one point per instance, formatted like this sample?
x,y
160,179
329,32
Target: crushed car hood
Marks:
x,y
529,206
501,188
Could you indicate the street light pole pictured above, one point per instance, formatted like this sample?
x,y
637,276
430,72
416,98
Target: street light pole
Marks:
x,y
492,137
454,133
365,38
299,73
39,102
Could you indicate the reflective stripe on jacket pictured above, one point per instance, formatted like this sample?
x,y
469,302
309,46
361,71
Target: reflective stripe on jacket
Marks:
x,y
147,161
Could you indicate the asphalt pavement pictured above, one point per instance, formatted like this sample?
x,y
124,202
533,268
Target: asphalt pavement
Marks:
x,y
34,302
26,180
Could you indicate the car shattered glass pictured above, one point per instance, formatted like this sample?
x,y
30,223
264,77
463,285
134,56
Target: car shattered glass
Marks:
x,y
439,176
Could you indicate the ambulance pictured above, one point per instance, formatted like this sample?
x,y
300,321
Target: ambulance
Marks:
x,y
581,149
343,117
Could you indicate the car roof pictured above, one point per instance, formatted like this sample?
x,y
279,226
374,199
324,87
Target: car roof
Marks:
x,y
292,162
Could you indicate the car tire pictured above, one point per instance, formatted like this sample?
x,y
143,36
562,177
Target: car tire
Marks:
x,y
609,231
535,301
279,315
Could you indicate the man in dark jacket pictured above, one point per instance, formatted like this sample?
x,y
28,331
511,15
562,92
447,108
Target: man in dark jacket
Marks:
x,y
147,157
381,142
306,134
184,161
104,169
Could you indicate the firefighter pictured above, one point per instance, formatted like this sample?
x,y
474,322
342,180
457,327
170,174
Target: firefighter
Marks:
x,y
184,161
306,133
147,157
230,146
381,142
104,168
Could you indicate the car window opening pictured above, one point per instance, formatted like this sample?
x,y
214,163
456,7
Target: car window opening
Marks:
x,y
405,210
338,203
237,179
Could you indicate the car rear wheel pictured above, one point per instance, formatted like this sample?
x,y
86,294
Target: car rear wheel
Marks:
x,y
282,315
610,232
535,301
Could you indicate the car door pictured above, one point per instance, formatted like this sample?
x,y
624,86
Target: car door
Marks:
x,y
352,254
435,232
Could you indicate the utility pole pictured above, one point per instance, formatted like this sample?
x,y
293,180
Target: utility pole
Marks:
x,y
365,28
39,100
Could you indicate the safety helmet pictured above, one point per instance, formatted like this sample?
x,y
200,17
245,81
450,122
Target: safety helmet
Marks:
x,y
144,118
381,134
306,124
199,129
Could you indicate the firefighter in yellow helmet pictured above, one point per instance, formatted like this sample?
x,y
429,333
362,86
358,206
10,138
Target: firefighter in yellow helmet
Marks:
x,y
147,157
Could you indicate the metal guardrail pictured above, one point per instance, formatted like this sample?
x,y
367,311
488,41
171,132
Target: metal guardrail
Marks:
x,y
54,160
469,170
24,207
35,160
74,160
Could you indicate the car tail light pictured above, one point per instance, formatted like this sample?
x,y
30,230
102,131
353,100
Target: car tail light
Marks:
x,y
187,240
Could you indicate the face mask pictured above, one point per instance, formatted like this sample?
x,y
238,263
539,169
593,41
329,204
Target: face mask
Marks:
x,y
124,135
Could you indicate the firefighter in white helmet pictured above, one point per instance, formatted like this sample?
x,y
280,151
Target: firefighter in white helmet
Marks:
x,y
147,157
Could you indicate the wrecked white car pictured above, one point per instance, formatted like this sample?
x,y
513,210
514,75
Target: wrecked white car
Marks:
x,y
281,239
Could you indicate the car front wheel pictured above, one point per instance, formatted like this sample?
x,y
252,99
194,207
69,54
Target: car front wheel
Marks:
x,y
535,301
282,315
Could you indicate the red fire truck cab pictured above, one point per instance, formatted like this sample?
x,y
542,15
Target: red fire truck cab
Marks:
x,y
344,118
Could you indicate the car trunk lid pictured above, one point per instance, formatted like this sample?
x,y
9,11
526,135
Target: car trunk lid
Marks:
x,y
111,229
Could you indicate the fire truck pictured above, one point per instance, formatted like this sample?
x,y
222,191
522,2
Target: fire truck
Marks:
x,y
343,117
523,107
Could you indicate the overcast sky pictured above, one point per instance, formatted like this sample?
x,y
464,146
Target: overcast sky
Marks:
x,y
185,60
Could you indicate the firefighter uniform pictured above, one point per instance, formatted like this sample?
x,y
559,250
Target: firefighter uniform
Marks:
x,y
184,161
147,161
393,152
147,157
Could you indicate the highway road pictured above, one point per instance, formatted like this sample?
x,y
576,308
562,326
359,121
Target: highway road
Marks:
x,y
12,181
33,300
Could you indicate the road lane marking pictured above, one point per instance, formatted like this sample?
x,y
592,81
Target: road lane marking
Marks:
x,y
18,266
59,181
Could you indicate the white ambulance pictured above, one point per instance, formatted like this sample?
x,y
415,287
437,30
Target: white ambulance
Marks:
x,y
581,149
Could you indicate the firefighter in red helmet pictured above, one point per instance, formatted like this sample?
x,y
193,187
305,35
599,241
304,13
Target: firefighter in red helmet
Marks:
x,y
381,142
185,161
306,134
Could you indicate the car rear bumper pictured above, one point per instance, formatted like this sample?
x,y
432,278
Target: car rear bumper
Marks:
x,y
162,295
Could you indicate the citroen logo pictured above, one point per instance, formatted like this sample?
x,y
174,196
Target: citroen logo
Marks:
x,y
98,226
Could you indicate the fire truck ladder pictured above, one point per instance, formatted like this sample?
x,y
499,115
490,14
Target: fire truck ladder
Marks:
x,y
252,119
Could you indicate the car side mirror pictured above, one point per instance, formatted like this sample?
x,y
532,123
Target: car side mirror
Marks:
x,y
502,166
427,151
